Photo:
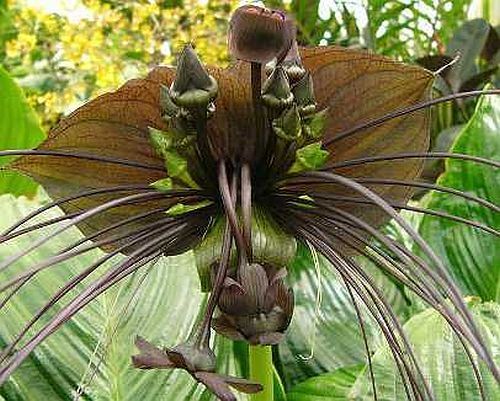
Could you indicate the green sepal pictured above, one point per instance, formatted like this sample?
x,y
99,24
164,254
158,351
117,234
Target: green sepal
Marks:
x,y
270,244
177,167
170,146
164,141
310,157
287,126
314,126
164,184
182,208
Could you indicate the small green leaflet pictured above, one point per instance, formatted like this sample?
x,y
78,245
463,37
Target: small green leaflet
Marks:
x,y
181,208
165,184
310,157
314,125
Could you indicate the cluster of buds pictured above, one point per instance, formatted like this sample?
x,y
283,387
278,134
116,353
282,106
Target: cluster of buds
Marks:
x,y
288,96
267,37
185,107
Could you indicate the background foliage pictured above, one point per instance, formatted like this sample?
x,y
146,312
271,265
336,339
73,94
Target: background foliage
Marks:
x,y
62,59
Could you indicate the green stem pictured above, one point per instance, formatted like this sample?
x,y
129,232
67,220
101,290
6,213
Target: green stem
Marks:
x,y
261,370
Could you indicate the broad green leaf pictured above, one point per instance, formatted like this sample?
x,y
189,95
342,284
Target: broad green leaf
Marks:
x,y
334,386
19,129
160,302
472,256
442,358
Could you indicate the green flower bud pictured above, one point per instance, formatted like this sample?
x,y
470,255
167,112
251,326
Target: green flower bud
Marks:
x,y
303,93
293,65
276,92
193,87
259,35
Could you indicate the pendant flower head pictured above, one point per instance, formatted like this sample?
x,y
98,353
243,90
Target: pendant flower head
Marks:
x,y
239,166
257,308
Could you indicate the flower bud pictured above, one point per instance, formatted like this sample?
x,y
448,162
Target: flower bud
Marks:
x,y
303,93
259,35
276,92
257,308
199,362
293,64
193,87
169,109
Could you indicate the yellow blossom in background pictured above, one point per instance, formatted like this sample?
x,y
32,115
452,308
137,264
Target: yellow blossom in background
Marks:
x,y
62,62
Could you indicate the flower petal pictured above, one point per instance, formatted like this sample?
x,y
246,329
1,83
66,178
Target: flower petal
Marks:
x,y
215,384
150,357
254,280
243,385
224,326
233,299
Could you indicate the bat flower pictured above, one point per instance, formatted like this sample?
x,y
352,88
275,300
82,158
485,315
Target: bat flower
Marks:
x,y
257,308
199,363
319,145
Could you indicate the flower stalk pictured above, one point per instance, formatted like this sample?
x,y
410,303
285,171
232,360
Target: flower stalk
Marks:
x,y
261,371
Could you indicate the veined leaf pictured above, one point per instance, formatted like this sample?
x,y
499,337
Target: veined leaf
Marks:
x,y
442,358
472,256
334,386
468,41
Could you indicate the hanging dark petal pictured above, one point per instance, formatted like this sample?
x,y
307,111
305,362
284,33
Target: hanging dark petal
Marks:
x,y
150,357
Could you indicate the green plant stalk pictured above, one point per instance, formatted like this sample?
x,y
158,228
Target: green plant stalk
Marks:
x,y
261,370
